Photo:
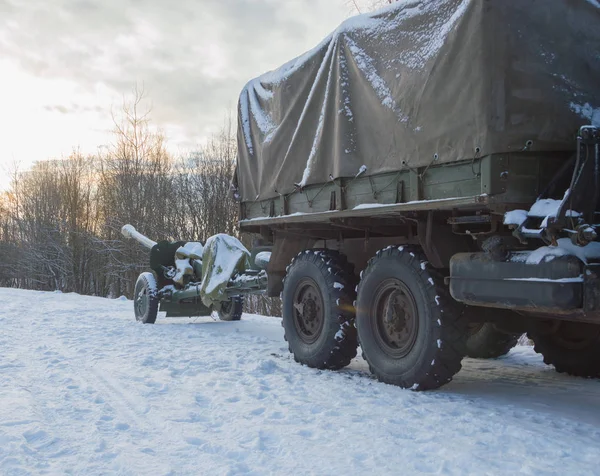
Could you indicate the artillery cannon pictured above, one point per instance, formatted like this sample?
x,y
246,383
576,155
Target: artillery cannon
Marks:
x,y
194,279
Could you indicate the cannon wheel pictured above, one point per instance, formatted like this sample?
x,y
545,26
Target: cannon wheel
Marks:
x,y
232,310
145,298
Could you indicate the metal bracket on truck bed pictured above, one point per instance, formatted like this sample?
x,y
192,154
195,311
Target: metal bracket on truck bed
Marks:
x,y
584,190
576,215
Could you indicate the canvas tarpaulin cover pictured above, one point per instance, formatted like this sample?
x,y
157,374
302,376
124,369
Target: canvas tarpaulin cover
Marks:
x,y
422,82
223,257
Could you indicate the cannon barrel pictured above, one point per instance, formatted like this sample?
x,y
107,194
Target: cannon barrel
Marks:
x,y
129,231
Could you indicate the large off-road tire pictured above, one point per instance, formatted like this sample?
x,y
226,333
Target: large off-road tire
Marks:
x,y
484,341
318,312
232,310
410,330
145,298
572,348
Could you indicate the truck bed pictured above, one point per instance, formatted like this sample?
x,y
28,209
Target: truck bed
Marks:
x,y
495,184
420,102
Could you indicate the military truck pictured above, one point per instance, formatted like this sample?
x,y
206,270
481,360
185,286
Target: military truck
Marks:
x,y
427,181
382,165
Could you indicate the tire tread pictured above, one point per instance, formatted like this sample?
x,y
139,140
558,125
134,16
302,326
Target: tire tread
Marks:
x,y
448,357
335,268
582,363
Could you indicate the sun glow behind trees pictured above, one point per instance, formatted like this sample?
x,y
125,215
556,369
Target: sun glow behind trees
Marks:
x,y
32,132
60,220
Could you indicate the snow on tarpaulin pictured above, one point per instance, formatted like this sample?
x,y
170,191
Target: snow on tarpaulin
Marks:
x,y
420,78
223,257
588,112
596,3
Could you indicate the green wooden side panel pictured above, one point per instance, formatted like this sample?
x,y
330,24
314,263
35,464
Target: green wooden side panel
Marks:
x,y
311,199
494,174
523,181
383,189
511,178
451,181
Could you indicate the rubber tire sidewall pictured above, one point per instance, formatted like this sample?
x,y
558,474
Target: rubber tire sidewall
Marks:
x,y
318,353
583,362
145,280
490,343
418,361
235,312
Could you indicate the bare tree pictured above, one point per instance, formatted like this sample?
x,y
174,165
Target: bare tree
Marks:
x,y
60,221
134,187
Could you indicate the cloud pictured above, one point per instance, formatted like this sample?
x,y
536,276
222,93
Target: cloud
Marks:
x,y
58,108
73,108
192,56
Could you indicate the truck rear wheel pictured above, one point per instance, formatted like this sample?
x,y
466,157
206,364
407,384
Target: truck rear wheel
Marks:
x,y
409,328
573,348
484,341
145,298
318,312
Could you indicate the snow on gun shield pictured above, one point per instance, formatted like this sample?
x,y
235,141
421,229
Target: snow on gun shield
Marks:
x,y
429,195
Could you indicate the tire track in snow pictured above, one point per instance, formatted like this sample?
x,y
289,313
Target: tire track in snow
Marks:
x,y
121,415
131,416
93,413
211,398
41,392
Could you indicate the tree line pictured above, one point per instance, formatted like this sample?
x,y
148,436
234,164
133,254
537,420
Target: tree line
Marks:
x,y
60,221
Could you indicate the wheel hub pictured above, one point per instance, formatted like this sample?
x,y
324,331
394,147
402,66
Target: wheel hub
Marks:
x,y
396,323
308,311
226,307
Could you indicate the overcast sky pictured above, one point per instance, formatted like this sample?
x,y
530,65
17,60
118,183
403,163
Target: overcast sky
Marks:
x,y
65,63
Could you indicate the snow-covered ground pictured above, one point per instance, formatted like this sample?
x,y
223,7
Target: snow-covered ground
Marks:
x,y
84,389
